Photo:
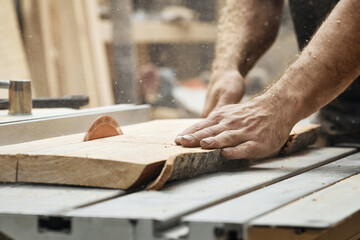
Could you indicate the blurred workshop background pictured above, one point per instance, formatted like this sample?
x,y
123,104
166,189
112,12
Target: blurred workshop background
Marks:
x,y
157,52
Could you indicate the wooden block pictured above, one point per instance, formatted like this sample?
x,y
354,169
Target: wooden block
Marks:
x,y
125,161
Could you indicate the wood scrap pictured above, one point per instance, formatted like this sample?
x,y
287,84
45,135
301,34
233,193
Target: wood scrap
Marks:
x,y
146,151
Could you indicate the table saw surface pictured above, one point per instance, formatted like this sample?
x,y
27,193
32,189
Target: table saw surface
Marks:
x,y
313,194
310,195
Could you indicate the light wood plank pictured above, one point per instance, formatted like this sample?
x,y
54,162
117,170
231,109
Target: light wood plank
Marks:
x,y
116,162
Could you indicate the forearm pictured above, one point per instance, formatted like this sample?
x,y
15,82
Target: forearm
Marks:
x,y
326,67
246,30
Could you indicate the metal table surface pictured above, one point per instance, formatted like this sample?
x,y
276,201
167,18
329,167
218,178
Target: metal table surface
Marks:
x,y
271,198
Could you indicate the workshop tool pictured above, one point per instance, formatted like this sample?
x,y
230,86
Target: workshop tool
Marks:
x,y
145,152
53,122
73,101
19,96
206,207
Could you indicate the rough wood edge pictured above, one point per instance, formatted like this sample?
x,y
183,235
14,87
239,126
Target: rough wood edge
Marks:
x,y
163,176
300,139
188,165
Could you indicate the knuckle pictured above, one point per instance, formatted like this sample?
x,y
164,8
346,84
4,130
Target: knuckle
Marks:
x,y
229,136
197,126
230,122
215,115
209,131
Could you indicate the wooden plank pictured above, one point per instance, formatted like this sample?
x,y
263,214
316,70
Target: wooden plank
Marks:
x,y
13,63
115,162
178,199
243,209
322,209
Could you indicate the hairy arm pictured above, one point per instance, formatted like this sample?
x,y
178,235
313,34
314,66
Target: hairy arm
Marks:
x,y
246,30
261,126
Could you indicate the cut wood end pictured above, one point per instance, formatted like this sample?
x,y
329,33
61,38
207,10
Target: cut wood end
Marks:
x,y
165,174
102,127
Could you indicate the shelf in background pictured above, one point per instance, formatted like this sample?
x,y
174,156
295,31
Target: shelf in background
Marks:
x,y
154,32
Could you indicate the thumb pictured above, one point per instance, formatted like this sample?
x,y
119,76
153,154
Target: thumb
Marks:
x,y
210,103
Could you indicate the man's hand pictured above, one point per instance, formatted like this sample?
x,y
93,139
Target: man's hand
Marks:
x,y
224,88
256,129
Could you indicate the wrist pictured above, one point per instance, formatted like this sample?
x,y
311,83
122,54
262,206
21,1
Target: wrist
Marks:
x,y
228,65
284,102
224,74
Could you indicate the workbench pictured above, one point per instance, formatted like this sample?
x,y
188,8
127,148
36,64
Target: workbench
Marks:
x,y
313,194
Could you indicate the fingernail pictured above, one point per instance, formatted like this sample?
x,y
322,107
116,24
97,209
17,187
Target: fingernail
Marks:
x,y
208,141
188,138
177,139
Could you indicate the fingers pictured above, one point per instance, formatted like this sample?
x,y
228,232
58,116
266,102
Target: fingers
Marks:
x,y
193,140
227,138
195,128
249,149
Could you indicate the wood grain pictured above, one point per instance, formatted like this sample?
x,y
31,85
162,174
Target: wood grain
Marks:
x,y
125,161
